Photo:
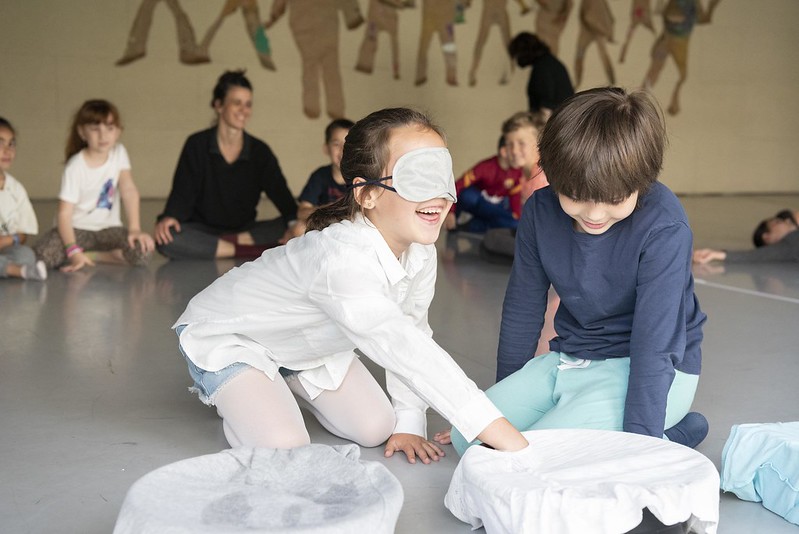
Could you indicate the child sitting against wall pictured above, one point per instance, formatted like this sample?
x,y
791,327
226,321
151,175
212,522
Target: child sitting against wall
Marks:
x,y
17,218
96,176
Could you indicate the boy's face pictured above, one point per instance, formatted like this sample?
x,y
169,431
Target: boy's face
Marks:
x,y
522,147
596,218
335,147
777,229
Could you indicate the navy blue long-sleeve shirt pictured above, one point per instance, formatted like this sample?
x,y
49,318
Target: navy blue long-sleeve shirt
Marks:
x,y
626,292
208,189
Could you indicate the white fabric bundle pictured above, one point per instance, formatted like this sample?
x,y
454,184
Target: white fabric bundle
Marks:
x,y
577,481
760,463
316,488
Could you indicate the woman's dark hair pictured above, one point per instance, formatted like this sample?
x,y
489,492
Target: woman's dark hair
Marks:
x,y
91,112
525,48
229,78
603,145
7,125
366,155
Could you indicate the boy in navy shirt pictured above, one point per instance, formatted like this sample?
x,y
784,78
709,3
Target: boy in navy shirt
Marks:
x,y
616,246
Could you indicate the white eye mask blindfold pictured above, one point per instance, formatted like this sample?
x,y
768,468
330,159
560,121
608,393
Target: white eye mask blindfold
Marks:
x,y
421,174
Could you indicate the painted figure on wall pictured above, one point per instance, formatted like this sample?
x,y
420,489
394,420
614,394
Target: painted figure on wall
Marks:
x,y
640,14
189,52
679,18
550,21
314,25
252,22
596,26
381,16
438,17
494,12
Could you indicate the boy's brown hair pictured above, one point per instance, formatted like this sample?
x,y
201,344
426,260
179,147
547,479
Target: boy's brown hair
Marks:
x,y
603,145
522,119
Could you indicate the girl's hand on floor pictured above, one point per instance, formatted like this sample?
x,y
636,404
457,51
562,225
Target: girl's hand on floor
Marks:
x,y
413,446
77,262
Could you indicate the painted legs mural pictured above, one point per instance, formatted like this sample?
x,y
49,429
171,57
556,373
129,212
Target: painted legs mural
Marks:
x,y
381,16
596,26
640,14
252,23
189,52
438,17
550,21
494,12
314,26
679,18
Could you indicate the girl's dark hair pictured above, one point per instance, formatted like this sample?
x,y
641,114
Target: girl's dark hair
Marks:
x,y
366,155
228,79
525,48
7,125
91,112
603,145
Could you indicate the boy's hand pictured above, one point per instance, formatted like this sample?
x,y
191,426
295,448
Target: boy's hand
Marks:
x,y
443,438
413,446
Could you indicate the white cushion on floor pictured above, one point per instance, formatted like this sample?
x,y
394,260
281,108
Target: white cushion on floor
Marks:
x,y
760,463
316,488
577,481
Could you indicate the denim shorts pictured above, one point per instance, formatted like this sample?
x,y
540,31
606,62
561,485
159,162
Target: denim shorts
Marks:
x,y
208,383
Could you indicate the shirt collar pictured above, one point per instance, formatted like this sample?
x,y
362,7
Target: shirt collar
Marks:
x,y
408,265
245,149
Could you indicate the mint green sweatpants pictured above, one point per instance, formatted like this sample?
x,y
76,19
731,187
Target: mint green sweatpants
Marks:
x,y
559,391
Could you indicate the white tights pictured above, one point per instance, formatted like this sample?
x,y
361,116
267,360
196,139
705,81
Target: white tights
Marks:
x,y
259,412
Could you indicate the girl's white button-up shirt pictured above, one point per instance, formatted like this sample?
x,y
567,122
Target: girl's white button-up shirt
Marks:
x,y
309,304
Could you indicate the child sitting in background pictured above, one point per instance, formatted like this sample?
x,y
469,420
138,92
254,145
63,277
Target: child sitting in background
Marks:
x,y
490,193
326,184
97,174
17,218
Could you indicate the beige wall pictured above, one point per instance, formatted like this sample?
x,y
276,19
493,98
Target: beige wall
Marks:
x,y
737,132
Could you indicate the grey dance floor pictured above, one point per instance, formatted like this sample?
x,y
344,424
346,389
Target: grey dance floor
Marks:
x,y
93,390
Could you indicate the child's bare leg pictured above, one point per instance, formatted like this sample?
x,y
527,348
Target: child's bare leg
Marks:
x,y
259,412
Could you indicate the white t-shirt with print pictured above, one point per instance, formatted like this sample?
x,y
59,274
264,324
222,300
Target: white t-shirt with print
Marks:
x,y
16,211
94,191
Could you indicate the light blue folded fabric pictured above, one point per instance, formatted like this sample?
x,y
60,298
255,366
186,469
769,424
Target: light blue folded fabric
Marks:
x,y
760,463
